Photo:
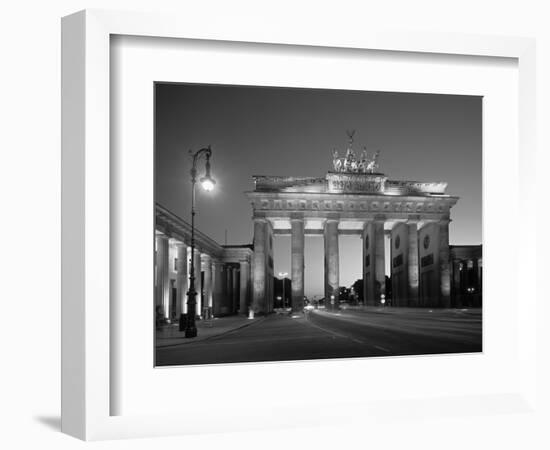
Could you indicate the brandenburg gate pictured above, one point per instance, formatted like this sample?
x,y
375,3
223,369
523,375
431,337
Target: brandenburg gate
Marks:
x,y
355,198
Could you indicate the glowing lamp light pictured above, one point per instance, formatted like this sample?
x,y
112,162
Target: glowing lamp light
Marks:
x,y
207,183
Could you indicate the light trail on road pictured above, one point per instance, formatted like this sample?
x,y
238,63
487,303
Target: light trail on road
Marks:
x,y
321,335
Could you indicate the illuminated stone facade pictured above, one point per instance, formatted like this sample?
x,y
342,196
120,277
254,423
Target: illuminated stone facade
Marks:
x,y
414,216
222,272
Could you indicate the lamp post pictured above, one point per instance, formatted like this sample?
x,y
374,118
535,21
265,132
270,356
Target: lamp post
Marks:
x,y
283,275
208,184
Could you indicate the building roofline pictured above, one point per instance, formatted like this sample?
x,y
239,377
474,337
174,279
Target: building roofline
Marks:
x,y
183,229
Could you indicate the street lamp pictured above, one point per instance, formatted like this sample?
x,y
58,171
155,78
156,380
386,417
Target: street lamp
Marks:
x,y
207,183
283,275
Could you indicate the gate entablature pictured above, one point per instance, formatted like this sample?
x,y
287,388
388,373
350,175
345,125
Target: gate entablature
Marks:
x,y
357,206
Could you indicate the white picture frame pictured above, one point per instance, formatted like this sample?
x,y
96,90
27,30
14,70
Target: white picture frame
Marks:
x,y
87,383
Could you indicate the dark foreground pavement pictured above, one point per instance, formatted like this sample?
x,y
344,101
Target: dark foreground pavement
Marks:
x,y
349,333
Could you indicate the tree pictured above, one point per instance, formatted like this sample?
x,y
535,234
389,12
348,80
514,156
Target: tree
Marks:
x,y
358,289
343,293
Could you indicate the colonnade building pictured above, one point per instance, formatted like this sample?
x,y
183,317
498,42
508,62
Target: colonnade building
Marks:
x,y
222,272
404,223
466,275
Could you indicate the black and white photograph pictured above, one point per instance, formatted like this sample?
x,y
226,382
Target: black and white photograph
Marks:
x,y
304,224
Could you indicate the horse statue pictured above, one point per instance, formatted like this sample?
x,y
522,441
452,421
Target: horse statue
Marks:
x,y
372,165
348,160
337,161
353,164
363,161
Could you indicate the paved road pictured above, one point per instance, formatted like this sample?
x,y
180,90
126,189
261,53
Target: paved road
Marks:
x,y
318,334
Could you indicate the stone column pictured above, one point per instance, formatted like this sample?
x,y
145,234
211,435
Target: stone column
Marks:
x,y
198,285
235,296
331,264
297,263
162,291
217,288
413,270
226,293
229,288
444,264
480,274
259,277
379,259
181,279
455,291
206,263
270,268
244,287
368,264
474,273
479,293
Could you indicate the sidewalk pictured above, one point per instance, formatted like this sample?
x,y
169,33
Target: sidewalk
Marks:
x,y
169,335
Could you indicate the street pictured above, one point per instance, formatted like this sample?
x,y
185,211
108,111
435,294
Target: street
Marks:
x,y
348,333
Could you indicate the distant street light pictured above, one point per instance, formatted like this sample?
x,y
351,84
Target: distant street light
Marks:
x,y
283,275
207,183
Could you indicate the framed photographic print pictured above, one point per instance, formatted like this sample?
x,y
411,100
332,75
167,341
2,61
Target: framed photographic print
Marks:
x,y
274,230
343,262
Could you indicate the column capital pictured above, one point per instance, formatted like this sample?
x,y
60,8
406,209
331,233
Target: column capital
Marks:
x,y
445,221
379,218
413,219
296,216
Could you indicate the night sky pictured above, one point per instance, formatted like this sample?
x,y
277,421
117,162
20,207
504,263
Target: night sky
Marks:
x,y
280,131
